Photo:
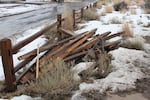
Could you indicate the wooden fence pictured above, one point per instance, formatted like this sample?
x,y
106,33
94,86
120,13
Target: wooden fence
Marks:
x,y
7,50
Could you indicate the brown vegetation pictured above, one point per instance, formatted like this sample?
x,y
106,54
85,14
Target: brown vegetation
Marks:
x,y
128,31
90,14
108,9
68,23
58,81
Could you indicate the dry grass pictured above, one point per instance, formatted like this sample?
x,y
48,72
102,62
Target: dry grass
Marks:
x,y
128,31
90,14
68,23
99,4
120,6
133,11
51,34
135,42
100,69
104,65
103,13
2,85
58,81
115,21
140,3
109,9
147,6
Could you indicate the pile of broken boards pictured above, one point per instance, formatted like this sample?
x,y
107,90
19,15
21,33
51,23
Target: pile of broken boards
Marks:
x,y
75,48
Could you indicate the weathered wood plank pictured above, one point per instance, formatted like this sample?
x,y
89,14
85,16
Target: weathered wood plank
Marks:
x,y
8,66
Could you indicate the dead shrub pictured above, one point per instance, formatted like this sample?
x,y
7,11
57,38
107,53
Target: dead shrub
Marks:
x,y
133,11
103,13
120,6
115,21
147,6
51,34
68,22
100,69
58,81
128,32
99,4
140,3
135,42
108,9
128,2
104,65
90,14
2,85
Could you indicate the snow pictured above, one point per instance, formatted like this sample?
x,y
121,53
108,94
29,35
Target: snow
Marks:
x,y
23,97
124,74
127,63
8,9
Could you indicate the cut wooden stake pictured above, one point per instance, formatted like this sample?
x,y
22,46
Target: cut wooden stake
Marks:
x,y
37,62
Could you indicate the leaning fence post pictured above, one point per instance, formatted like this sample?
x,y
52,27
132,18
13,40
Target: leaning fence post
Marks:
x,y
82,11
74,19
59,25
7,60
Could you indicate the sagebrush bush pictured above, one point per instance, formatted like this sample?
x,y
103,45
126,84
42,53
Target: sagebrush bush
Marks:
x,y
147,6
104,65
120,6
128,32
133,11
135,42
115,21
90,14
99,4
67,14
108,9
58,81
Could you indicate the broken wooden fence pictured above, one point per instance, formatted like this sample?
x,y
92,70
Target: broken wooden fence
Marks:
x,y
7,50
78,14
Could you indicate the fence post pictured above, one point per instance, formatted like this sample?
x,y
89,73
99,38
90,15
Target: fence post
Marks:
x,y
74,19
59,25
95,4
82,11
8,67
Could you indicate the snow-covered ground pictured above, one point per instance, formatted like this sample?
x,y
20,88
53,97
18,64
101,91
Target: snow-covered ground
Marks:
x,y
127,63
10,9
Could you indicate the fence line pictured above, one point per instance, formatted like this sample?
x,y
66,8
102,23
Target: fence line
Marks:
x,y
7,50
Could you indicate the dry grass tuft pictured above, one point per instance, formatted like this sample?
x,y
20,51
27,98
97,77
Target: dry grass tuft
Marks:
x,y
133,11
90,14
99,4
147,6
2,85
128,31
68,23
58,81
135,42
140,3
51,34
104,65
103,13
108,9
120,6
100,69
115,21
